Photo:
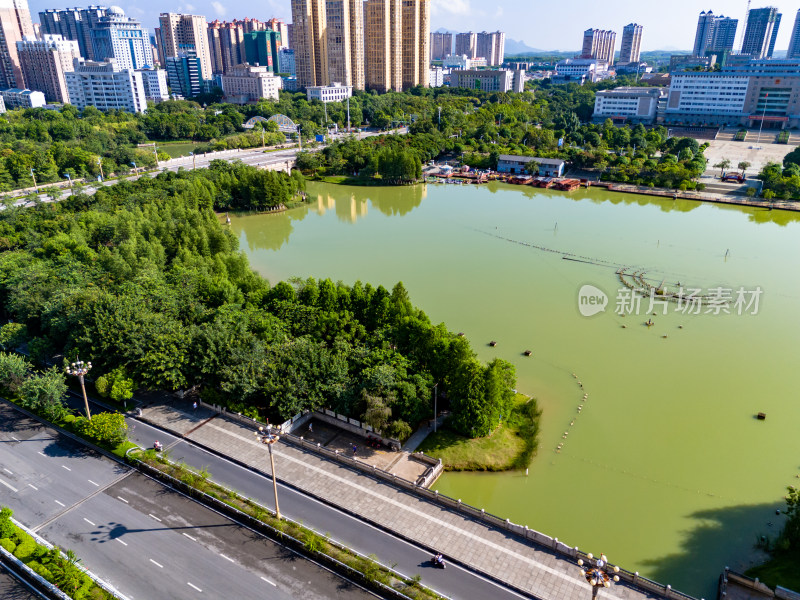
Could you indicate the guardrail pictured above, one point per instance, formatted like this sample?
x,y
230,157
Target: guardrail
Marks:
x,y
735,579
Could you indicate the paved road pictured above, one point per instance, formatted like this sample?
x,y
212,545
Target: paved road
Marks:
x,y
13,589
146,540
408,558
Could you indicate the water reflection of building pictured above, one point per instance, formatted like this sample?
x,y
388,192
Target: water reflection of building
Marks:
x,y
399,200
351,209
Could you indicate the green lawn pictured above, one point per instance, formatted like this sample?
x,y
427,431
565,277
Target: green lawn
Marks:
x,y
782,569
175,149
510,446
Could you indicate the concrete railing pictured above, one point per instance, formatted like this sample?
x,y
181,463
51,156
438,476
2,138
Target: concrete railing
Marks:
x,y
733,579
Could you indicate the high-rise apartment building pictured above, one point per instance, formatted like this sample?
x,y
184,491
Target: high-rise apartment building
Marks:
x,y
179,33
260,48
73,24
45,62
384,45
106,87
599,44
310,41
415,44
715,34
225,41
467,44
184,74
761,32
15,25
794,41
119,37
282,28
631,44
491,46
441,45
345,39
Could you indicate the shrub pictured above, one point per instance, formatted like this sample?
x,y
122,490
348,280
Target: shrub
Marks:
x,y
399,430
41,570
8,545
25,548
104,428
751,191
102,386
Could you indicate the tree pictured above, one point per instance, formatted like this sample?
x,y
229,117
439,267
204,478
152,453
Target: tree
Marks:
x,y
377,413
742,166
106,428
45,393
723,165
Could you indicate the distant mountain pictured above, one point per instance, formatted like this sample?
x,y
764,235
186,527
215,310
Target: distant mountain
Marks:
x,y
519,47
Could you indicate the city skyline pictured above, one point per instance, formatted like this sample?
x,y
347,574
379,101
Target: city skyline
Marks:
x,y
663,30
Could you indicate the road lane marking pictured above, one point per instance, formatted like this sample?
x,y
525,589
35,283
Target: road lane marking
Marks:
x,y
155,517
7,471
9,486
156,564
226,557
60,503
67,468
14,438
93,483
43,454
190,537
125,544
123,499
269,582
190,584
33,486
89,522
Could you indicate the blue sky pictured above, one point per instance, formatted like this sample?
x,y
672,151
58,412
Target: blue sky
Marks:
x,y
540,24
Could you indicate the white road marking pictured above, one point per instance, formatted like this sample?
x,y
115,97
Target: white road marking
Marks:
x,y
93,483
155,517
43,454
123,499
190,537
190,584
9,486
226,557
14,438
33,486
125,544
156,564
269,582
7,471
67,468
89,522
60,503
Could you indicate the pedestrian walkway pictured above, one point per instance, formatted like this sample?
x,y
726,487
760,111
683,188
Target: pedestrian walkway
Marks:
x,y
420,434
486,549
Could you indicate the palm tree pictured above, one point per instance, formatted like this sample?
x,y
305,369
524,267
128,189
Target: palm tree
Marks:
x,y
722,165
743,166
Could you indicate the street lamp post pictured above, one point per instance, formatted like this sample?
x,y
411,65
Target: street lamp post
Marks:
x,y
100,163
267,437
194,160
435,410
79,369
69,177
598,573
34,181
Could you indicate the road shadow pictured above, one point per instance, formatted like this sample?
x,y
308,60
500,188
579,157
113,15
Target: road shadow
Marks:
x,y
723,537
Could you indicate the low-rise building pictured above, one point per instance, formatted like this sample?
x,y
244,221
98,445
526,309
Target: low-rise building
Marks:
x,y
155,84
628,104
329,93
436,78
462,61
249,83
580,70
105,86
21,98
290,84
494,80
547,167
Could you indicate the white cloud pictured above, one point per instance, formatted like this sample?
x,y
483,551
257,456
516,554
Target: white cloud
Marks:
x,y
451,7
218,8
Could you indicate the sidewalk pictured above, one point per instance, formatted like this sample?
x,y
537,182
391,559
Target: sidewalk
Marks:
x,y
485,549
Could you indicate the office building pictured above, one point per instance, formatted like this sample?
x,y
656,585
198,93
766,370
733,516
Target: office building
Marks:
x,y
15,25
310,41
761,32
261,49
105,86
628,104
580,70
794,41
119,37
345,40
184,74
182,34
491,46
154,82
329,93
631,44
495,80
436,76
247,83
467,43
44,64
22,98
441,45
599,44
73,24
282,28
286,62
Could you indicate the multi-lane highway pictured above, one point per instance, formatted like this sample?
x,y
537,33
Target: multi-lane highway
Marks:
x,y
145,539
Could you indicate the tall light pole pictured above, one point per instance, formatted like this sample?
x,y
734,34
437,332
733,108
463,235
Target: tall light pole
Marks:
x,y
194,158
267,437
155,151
68,176
100,163
79,369
133,163
763,116
598,573
34,181
435,409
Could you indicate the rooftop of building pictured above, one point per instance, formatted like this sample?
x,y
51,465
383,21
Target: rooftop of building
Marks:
x,y
632,91
519,158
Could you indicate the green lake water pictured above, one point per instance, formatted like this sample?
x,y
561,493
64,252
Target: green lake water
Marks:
x,y
665,469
